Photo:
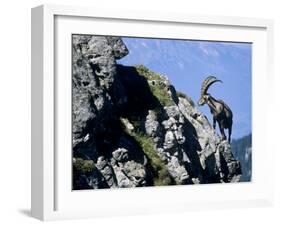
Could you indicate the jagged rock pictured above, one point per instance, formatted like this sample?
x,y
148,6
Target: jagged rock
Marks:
x,y
195,181
120,155
232,165
135,172
122,180
172,112
106,170
130,174
179,135
95,180
86,175
169,124
178,171
94,71
170,140
127,124
134,128
152,126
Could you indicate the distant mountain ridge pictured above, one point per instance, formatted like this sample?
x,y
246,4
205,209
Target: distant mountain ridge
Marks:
x,y
242,150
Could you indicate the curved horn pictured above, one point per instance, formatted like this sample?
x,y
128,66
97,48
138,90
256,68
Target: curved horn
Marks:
x,y
207,83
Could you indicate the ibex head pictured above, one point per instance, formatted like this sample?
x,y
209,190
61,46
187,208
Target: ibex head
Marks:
x,y
204,88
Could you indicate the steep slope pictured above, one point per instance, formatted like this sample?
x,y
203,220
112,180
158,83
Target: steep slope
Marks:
x,y
131,128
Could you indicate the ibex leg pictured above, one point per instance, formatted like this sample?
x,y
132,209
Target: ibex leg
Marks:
x,y
229,134
222,130
214,123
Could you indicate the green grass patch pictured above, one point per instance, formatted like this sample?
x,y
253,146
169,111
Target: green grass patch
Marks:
x,y
161,94
150,75
161,174
158,89
83,166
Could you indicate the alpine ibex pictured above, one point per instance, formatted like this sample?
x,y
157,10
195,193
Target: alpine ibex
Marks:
x,y
220,111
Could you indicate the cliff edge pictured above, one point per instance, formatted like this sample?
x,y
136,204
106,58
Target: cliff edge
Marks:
x,y
131,128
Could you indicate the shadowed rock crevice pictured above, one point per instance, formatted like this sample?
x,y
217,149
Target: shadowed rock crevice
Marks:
x,y
131,128
139,97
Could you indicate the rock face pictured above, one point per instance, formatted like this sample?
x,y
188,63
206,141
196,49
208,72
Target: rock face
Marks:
x,y
131,128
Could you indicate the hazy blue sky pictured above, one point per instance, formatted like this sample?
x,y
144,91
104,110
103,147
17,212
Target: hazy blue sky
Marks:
x,y
188,63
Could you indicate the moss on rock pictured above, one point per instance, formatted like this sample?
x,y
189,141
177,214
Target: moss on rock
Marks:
x,y
84,166
160,172
162,176
157,85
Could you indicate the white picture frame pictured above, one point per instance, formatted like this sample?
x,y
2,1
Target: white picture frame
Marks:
x,y
52,199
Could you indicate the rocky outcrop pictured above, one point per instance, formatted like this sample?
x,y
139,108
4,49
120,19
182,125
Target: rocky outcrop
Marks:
x,y
131,128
